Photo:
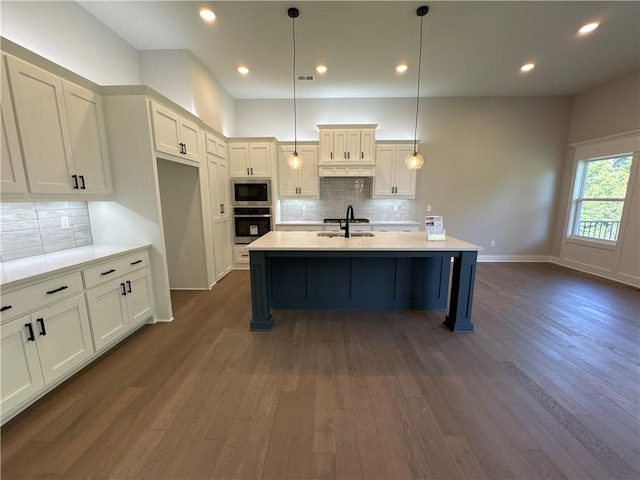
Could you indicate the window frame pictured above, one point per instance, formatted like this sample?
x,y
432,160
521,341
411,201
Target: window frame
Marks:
x,y
579,199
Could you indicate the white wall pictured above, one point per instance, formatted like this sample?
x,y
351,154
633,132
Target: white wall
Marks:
x,y
492,163
608,110
68,35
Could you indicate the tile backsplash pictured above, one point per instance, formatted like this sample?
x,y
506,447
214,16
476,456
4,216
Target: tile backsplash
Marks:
x,y
34,228
336,194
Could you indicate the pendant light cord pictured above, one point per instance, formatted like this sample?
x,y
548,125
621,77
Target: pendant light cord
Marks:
x,y
415,132
295,110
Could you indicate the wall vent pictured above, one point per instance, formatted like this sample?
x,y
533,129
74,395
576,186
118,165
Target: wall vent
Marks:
x,y
305,78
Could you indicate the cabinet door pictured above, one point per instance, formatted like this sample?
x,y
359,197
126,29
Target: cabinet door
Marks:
x,y
353,146
367,146
326,146
189,136
308,180
63,337
260,159
139,296
44,129
166,130
383,185
12,178
21,373
340,145
107,313
88,139
239,159
405,179
288,178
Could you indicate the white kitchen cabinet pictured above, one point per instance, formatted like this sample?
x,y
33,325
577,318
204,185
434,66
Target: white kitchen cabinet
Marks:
x,y
250,159
351,145
62,336
21,373
219,198
241,255
174,134
393,179
118,306
61,132
303,182
12,177
47,334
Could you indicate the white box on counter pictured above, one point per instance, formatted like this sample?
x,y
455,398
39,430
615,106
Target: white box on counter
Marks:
x,y
434,227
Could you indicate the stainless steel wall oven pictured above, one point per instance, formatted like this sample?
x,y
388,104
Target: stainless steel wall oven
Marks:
x,y
250,223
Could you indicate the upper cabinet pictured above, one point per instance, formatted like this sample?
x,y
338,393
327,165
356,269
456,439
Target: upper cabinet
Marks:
x,y
174,134
61,130
251,159
354,145
393,179
303,182
12,178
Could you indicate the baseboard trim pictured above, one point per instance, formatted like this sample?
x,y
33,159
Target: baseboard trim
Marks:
x,y
514,258
597,272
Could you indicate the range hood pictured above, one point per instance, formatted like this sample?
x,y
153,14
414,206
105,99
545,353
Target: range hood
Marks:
x,y
347,171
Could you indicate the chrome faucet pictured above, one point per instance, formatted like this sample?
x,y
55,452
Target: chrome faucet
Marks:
x,y
346,221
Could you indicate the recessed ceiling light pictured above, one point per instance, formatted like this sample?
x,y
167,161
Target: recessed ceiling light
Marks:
x,y
527,67
207,14
401,68
588,28
321,69
243,70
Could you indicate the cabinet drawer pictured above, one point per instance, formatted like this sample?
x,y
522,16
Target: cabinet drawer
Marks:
x,y
115,268
241,254
35,296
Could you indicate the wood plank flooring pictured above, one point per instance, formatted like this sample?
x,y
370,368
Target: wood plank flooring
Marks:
x,y
547,387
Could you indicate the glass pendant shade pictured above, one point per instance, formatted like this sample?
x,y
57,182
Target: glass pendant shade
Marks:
x,y
414,161
295,161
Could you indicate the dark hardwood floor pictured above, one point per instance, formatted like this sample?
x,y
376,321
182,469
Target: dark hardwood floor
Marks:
x,y
547,387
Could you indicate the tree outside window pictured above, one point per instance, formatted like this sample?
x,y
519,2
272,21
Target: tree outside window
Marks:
x,y
602,186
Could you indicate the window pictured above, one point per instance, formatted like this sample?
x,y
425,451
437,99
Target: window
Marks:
x,y
601,186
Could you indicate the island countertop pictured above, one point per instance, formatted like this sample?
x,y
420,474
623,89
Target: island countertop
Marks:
x,y
381,241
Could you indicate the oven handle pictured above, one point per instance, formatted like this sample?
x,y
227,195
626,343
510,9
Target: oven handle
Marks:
x,y
253,216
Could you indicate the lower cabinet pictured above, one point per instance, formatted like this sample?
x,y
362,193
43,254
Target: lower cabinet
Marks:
x,y
119,306
53,328
40,348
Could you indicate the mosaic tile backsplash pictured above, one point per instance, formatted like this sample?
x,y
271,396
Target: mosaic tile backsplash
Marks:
x,y
34,228
336,194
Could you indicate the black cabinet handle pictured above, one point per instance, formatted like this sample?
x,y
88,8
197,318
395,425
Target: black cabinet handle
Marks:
x,y
43,331
75,181
362,155
83,186
31,337
247,171
136,262
222,208
128,286
108,272
251,170
331,155
64,287
124,290
5,307
348,155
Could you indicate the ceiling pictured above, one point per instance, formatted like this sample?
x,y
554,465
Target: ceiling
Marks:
x,y
472,48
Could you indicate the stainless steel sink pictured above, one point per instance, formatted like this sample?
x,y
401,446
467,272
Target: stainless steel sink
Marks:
x,y
341,234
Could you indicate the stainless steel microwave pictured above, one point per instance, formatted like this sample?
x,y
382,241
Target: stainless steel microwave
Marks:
x,y
251,192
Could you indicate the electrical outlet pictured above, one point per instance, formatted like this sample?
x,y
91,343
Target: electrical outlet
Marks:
x,y
64,222
428,208
493,243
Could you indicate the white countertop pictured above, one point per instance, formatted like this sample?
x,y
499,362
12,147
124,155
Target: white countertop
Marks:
x,y
371,222
30,268
381,241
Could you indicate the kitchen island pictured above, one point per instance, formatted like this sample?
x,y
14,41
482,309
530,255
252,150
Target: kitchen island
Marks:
x,y
386,270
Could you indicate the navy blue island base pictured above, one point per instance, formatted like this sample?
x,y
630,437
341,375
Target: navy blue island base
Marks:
x,y
338,273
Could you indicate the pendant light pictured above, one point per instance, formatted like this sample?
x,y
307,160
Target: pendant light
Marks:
x,y
294,161
415,160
